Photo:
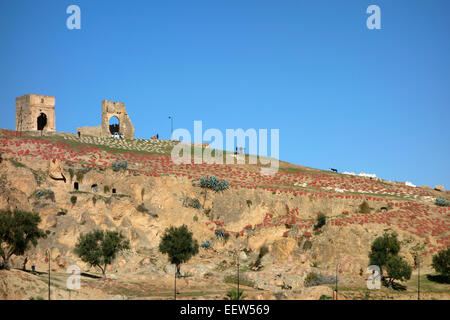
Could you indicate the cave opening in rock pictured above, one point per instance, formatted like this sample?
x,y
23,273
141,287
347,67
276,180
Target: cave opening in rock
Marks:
x,y
114,190
41,121
75,186
94,187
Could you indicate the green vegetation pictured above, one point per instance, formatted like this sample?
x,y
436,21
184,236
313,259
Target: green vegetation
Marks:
x,y
262,252
442,202
316,279
324,297
206,244
441,263
141,208
100,248
214,183
307,245
39,176
384,254
73,199
179,244
398,269
79,176
242,281
321,221
191,203
364,207
71,174
233,294
120,165
45,194
17,164
18,230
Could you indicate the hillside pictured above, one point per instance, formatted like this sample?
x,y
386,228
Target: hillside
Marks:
x,y
152,193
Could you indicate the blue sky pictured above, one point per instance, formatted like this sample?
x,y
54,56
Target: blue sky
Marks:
x,y
342,96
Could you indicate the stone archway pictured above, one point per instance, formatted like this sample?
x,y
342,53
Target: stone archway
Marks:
x,y
41,121
114,125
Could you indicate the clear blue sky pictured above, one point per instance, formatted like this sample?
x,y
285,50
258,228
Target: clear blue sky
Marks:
x,y
342,96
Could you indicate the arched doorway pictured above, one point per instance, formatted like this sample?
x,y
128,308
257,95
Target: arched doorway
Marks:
x,y
41,121
113,124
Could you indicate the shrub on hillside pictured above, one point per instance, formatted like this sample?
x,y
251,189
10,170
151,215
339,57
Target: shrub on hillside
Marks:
x,y
262,252
233,294
46,194
206,244
364,207
442,202
191,203
321,221
316,279
214,183
220,233
119,165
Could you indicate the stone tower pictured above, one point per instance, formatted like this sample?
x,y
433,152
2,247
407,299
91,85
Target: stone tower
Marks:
x,y
35,112
116,109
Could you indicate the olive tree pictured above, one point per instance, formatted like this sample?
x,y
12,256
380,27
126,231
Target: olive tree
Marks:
x,y
179,244
18,230
100,248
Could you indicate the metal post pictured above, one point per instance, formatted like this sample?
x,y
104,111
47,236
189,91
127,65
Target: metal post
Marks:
x,y
175,293
418,278
48,256
337,266
238,275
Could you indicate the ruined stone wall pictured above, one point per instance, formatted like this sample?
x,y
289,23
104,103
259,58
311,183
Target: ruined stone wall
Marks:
x,y
111,109
90,131
29,107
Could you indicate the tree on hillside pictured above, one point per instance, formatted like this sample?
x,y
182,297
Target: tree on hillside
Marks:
x,y
383,248
18,230
99,248
441,262
397,269
179,244
384,254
